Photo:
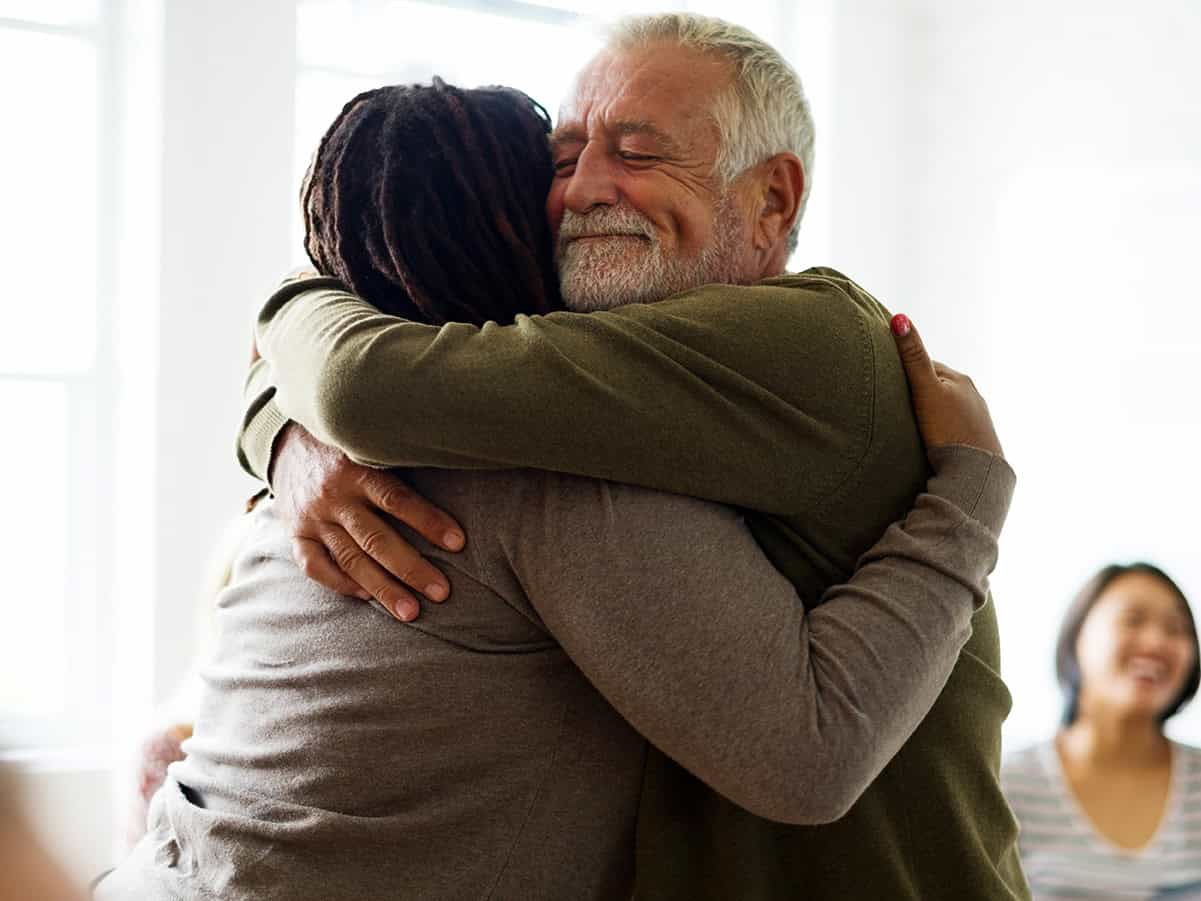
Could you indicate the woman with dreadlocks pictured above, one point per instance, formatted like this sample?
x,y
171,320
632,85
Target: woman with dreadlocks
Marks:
x,y
427,203
495,747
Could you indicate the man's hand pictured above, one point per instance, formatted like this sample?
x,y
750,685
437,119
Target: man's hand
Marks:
x,y
949,409
338,512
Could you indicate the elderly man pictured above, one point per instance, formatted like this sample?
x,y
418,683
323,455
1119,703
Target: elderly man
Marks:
x,y
682,160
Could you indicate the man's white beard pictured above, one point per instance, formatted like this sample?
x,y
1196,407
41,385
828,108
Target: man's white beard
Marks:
x,y
629,265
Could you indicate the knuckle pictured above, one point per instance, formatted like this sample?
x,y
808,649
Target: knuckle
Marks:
x,y
303,555
374,542
336,479
393,495
351,518
328,493
343,552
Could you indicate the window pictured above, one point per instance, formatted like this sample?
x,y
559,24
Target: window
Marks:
x,y
54,370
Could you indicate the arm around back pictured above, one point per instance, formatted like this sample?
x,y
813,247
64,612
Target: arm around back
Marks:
x,y
668,606
664,395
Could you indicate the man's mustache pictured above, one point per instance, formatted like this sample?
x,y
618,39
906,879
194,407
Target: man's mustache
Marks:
x,y
606,222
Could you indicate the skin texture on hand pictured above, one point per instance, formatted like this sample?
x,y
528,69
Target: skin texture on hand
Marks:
x,y
948,407
341,513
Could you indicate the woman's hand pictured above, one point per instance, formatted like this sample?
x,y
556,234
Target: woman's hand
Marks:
x,y
949,409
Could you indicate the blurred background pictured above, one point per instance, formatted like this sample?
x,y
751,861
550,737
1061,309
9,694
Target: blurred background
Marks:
x,y
1023,179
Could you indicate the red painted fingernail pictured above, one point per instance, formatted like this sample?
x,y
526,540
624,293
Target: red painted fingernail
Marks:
x,y
901,325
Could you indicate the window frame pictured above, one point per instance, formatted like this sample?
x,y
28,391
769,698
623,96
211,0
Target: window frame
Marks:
x,y
83,722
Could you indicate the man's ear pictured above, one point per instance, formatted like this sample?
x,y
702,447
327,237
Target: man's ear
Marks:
x,y
781,184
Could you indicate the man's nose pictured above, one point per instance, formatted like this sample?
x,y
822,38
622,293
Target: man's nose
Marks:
x,y
593,183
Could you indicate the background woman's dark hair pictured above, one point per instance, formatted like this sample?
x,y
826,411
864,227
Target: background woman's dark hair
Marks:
x,y
428,201
1067,666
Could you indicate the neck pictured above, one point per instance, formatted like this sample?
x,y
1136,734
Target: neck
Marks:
x,y
1106,737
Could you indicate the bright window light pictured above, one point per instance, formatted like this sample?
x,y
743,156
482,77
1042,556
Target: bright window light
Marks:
x,y
48,229
51,12
53,673
33,665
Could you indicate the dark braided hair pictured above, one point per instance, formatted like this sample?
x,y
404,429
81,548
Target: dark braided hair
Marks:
x,y
428,201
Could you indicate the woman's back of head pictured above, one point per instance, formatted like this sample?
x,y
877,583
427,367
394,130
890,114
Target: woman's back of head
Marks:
x,y
428,202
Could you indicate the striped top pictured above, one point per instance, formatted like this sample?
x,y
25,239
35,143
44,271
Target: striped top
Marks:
x,y
1066,857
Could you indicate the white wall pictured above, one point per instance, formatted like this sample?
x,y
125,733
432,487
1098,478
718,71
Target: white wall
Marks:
x,y
229,81
863,172
1025,180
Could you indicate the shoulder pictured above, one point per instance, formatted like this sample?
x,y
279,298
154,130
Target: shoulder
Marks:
x,y
1188,752
1027,768
823,281
814,335
1189,765
828,291
820,297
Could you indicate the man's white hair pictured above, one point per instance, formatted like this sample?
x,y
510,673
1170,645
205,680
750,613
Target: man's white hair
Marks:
x,y
764,112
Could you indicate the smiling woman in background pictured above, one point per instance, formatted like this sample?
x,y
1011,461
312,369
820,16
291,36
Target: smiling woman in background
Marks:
x,y
1111,807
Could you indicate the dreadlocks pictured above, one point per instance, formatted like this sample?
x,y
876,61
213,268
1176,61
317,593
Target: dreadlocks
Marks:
x,y
428,202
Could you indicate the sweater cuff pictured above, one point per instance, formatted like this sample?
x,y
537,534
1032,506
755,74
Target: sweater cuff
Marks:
x,y
257,440
977,482
291,287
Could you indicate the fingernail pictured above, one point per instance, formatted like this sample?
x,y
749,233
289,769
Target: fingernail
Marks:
x,y
453,540
363,595
404,613
436,592
901,325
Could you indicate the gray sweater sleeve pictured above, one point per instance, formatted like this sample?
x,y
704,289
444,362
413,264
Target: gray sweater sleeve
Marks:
x,y
669,607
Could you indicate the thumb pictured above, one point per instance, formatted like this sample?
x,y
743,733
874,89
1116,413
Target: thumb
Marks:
x,y
918,367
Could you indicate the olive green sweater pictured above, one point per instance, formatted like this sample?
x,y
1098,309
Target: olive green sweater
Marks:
x,y
785,398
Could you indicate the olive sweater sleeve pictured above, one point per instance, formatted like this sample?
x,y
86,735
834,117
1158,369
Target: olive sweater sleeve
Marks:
x,y
776,378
